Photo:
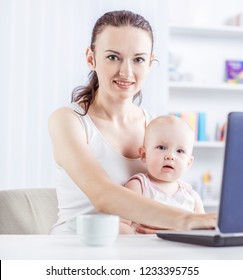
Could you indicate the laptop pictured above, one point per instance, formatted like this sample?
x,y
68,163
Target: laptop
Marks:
x,y
229,231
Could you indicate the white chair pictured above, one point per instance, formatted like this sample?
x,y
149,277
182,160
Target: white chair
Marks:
x,y
27,211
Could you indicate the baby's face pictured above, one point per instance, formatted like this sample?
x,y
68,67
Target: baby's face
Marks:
x,y
168,150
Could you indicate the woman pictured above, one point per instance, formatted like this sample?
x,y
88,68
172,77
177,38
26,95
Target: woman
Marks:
x,y
96,139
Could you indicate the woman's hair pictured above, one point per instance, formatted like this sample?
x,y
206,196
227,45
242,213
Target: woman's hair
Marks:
x,y
85,95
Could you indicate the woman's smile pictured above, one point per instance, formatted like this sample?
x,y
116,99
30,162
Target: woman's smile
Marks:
x,y
123,84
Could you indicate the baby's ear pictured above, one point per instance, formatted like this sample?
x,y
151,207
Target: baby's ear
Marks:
x,y
142,153
190,162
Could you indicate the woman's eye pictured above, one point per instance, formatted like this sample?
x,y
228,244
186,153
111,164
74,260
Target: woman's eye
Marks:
x,y
113,58
139,59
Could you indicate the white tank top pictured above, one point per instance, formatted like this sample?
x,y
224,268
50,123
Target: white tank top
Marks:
x,y
72,201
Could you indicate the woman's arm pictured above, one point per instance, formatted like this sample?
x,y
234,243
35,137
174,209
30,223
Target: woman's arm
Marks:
x,y
73,154
126,225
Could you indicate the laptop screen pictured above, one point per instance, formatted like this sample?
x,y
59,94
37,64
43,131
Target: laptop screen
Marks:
x,y
231,201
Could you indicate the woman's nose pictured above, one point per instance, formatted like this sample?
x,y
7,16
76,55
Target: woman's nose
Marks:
x,y
125,70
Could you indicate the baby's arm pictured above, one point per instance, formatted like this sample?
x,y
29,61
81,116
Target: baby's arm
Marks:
x,y
134,185
198,203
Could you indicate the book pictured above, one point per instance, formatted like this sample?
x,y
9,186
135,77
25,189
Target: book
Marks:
x,y
234,71
202,127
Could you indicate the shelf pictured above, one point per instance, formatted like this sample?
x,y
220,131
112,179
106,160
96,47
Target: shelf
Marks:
x,y
206,87
198,54
220,31
209,144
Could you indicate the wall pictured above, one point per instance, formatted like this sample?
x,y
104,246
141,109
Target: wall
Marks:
x,y
203,56
42,58
198,12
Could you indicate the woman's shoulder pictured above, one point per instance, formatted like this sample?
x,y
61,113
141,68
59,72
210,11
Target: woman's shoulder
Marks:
x,y
64,118
61,114
65,112
63,123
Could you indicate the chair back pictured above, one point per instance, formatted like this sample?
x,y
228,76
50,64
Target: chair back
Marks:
x,y
28,211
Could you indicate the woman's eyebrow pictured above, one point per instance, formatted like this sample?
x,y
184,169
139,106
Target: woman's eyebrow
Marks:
x,y
112,51
137,54
140,54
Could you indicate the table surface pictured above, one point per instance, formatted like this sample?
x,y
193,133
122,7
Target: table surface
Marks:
x,y
129,247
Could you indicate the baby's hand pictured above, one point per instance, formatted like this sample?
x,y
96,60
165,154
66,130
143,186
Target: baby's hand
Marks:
x,y
125,229
149,229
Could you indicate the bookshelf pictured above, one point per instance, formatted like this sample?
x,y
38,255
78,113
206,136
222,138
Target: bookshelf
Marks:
x,y
203,51
219,31
220,87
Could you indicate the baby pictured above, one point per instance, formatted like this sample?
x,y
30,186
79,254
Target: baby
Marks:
x,y
167,153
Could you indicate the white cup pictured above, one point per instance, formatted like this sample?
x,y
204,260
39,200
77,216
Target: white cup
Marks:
x,y
97,229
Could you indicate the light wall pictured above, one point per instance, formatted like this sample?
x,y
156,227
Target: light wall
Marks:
x,y
42,59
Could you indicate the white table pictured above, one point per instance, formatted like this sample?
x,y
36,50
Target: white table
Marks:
x,y
143,247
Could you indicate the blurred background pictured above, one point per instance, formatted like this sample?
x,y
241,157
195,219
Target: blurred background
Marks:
x,y
42,58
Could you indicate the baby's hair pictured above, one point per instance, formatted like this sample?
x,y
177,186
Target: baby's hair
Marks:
x,y
169,119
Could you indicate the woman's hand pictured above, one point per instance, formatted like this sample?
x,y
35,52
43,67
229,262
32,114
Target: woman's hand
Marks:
x,y
202,221
194,221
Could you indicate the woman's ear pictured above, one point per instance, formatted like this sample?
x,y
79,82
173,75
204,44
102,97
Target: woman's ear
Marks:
x,y
151,60
142,153
90,58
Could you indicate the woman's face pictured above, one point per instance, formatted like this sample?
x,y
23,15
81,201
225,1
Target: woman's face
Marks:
x,y
122,59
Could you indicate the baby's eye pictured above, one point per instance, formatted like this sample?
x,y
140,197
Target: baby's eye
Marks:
x,y
139,59
161,147
113,57
180,151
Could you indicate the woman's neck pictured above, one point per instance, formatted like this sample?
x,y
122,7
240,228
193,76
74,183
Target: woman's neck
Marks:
x,y
112,109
